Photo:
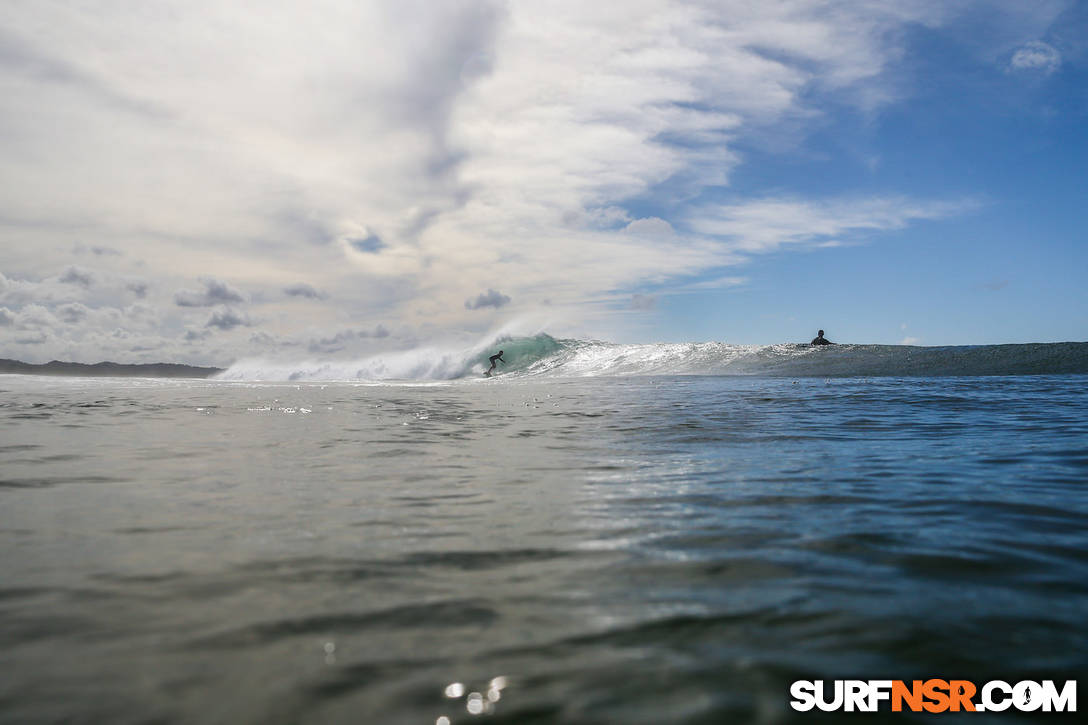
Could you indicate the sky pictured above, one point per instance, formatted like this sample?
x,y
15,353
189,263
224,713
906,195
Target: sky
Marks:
x,y
204,182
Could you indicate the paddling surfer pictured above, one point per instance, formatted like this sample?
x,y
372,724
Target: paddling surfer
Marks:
x,y
820,339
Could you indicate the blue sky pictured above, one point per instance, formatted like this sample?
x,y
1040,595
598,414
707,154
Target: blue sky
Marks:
x,y
201,183
1008,269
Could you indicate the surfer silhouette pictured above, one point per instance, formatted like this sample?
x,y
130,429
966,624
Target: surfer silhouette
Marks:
x,y
821,340
493,359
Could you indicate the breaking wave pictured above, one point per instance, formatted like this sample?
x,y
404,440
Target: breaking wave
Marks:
x,y
544,355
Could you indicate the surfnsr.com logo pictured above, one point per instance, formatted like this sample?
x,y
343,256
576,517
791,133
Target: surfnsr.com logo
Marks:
x,y
933,696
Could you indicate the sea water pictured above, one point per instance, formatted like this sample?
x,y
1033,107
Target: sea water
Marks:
x,y
565,548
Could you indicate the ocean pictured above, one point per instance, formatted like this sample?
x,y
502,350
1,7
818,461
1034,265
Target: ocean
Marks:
x,y
601,534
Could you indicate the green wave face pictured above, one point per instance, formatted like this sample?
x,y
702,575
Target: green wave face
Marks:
x,y
520,353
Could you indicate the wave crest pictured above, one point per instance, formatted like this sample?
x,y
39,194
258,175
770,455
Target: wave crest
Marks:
x,y
542,354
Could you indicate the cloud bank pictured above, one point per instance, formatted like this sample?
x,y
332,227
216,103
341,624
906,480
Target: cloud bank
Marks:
x,y
403,156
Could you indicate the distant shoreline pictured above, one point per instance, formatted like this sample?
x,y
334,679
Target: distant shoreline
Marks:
x,y
108,369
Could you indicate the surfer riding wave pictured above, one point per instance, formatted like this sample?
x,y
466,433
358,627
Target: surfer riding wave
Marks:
x,y
493,359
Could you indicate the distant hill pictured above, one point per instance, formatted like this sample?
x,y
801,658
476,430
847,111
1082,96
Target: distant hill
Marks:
x,y
108,369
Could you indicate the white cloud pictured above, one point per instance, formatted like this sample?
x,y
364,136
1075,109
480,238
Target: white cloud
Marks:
x,y
72,312
196,335
346,339
403,156
34,337
651,227
766,225
215,292
228,319
137,287
301,289
713,283
491,298
76,275
36,317
1036,56
262,338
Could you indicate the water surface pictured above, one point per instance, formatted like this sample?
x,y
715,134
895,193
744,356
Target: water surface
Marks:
x,y
637,550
